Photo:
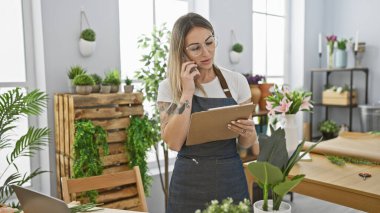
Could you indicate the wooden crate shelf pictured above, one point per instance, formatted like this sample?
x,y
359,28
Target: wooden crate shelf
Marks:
x,y
110,111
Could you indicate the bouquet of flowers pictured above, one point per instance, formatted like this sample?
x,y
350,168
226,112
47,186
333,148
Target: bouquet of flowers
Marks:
x,y
285,101
227,205
331,41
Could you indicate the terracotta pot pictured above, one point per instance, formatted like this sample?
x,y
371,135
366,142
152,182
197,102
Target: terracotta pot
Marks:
x,y
264,93
255,92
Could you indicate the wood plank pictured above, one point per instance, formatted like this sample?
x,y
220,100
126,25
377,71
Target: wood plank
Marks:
x,y
117,159
106,112
67,138
71,134
123,204
131,110
107,99
56,137
61,136
130,191
114,148
116,169
120,123
116,136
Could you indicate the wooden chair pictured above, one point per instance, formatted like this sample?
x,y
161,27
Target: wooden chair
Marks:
x,y
106,181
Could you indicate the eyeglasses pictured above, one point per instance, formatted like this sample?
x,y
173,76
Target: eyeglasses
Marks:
x,y
196,49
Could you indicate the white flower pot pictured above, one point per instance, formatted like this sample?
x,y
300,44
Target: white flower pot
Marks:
x,y
340,58
86,48
291,134
234,57
284,207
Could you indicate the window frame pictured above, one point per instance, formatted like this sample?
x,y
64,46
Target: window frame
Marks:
x,y
285,16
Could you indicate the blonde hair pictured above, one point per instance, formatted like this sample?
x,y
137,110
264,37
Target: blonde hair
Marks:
x,y
177,47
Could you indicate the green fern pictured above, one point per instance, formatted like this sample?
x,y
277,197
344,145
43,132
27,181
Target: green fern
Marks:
x,y
141,137
87,140
15,104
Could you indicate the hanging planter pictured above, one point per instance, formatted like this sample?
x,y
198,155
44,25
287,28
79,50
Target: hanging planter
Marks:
x,y
236,49
87,43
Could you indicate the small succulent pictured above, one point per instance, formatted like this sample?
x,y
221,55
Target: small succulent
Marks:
x,y
97,79
128,81
88,34
237,47
112,78
74,71
328,126
83,80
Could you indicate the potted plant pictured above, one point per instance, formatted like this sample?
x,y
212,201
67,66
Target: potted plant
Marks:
x,y
329,129
72,73
341,54
235,52
87,42
105,87
83,84
271,171
98,81
128,87
15,105
113,78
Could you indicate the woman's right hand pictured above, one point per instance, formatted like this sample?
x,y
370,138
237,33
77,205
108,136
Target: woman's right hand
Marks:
x,y
188,76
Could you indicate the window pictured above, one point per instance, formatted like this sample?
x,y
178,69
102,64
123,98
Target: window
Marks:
x,y
268,25
13,72
150,13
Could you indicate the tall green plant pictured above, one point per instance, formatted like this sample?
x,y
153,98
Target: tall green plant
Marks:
x,y
273,166
151,74
141,137
87,141
14,105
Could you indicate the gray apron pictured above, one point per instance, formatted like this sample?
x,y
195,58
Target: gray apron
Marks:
x,y
207,171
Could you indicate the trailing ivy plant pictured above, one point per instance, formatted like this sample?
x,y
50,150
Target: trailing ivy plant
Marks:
x,y
141,136
14,105
152,72
88,139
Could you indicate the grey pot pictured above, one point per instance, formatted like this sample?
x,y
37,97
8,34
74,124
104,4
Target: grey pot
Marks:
x,y
115,88
128,88
83,90
340,58
71,86
105,88
96,88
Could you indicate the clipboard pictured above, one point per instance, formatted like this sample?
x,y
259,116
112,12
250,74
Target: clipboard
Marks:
x,y
211,125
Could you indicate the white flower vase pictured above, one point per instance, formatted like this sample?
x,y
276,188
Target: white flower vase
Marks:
x,y
234,57
284,207
340,58
86,48
291,134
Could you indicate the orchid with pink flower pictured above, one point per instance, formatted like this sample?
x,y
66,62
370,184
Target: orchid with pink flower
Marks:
x,y
285,101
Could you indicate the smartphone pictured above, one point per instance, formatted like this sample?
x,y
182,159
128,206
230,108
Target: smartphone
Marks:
x,y
184,59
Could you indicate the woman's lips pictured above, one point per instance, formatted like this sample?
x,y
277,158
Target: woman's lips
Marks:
x,y
206,61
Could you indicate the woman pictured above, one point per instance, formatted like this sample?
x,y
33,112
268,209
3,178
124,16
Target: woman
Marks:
x,y
211,170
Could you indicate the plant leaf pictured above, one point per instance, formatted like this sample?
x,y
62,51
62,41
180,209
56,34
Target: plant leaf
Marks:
x,y
265,172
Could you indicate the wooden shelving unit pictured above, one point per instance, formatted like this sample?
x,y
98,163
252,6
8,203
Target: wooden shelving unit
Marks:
x,y
110,111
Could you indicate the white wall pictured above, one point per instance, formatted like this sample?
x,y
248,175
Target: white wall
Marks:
x,y
61,30
234,15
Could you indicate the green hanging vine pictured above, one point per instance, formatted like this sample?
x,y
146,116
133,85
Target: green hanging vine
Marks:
x,y
88,139
141,137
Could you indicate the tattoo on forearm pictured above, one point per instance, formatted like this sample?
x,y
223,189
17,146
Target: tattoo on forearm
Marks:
x,y
183,107
172,108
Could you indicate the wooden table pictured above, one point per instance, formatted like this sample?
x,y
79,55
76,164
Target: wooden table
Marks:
x,y
340,185
105,210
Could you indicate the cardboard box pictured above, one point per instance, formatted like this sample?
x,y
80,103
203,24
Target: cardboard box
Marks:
x,y
335,98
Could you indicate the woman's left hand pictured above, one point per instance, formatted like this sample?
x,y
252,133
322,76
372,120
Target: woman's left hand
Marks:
x,y
245,128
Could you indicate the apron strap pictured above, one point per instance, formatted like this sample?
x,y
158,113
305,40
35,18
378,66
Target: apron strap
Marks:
x,y
223,82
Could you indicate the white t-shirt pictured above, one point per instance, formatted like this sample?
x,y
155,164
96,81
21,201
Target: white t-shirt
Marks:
x,y
236,82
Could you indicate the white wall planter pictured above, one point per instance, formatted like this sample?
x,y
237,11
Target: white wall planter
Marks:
x,y
284,207
234,57
86,48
